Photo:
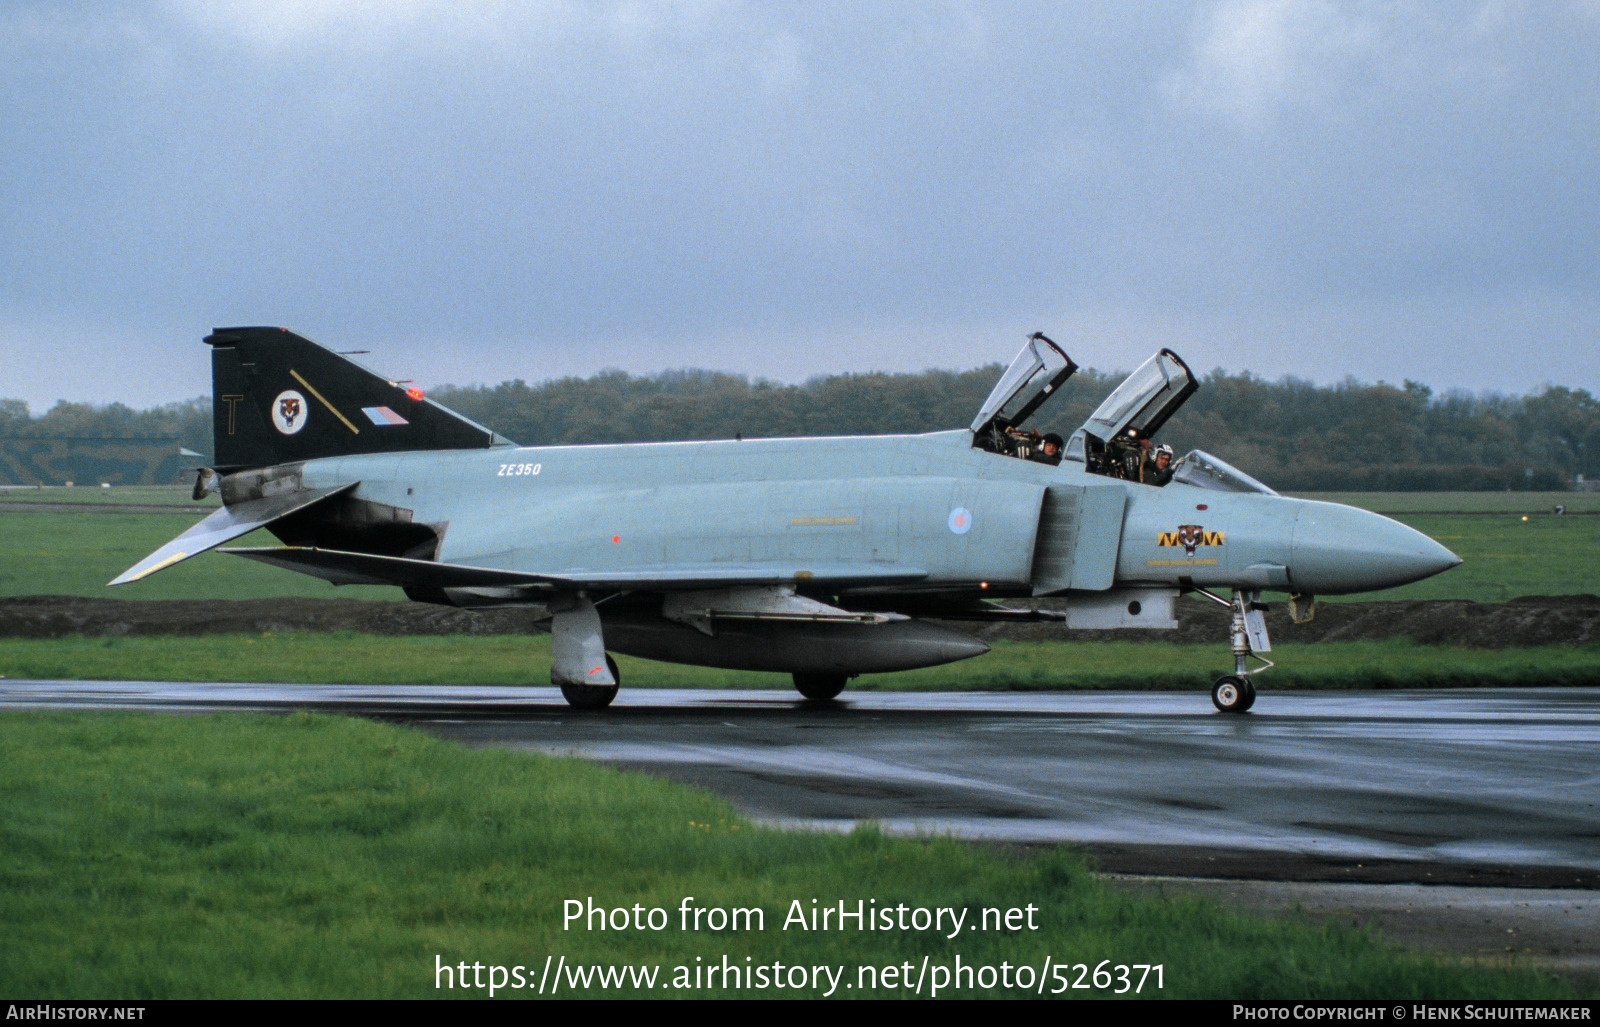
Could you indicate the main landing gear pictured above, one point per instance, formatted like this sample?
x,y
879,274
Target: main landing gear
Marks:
x,y
579,663
820,686
594,697
1236,693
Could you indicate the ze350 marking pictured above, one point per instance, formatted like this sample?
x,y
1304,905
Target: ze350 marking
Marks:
x,y
516,470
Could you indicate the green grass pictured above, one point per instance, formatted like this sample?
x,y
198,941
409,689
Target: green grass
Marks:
x,y
75,554
118,495
152,856
348,658
1504,556
1530,503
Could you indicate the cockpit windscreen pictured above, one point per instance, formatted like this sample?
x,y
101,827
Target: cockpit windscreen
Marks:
x,y
1204,471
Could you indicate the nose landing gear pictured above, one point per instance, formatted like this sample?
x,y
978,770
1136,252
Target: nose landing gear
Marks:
x,y
1236,693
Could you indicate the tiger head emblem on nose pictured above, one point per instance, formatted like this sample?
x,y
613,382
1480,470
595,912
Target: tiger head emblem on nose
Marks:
x,y
1189,537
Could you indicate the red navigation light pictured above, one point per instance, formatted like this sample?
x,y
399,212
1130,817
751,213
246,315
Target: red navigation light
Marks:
x,y
414,393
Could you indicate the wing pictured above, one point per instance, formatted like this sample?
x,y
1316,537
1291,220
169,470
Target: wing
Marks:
x,y
344,568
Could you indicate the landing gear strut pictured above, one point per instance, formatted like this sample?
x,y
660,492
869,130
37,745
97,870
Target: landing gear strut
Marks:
x,y
577,652
1236,693
594,697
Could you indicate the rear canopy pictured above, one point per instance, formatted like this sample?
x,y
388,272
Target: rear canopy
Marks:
x,y
1138,407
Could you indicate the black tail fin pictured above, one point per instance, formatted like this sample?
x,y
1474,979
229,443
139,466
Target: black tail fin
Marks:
x,y
280,398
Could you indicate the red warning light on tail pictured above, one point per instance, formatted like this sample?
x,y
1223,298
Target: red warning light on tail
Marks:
x,y
414,393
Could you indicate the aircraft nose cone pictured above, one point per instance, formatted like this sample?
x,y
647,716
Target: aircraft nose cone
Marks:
x,y
1339,549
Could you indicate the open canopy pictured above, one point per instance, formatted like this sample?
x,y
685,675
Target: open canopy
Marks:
x,y
1033,377
1135,410
1145,399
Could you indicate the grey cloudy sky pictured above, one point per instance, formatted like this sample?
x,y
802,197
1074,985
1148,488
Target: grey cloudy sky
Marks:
x,y
478,190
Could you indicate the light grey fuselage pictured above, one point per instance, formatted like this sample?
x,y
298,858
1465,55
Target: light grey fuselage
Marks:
x,y
933,503
823,558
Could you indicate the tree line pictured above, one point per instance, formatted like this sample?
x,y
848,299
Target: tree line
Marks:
x,y
188,421
1293,434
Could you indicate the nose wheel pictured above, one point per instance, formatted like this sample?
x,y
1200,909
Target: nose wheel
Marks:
x,y
1233,694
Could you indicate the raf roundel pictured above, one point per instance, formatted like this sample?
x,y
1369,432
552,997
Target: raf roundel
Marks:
x,y
289,412
960,520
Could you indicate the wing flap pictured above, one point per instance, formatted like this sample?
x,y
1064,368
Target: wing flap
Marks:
x,y
225,524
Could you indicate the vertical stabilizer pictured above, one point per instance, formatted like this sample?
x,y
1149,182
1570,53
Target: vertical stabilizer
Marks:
x,y
279,397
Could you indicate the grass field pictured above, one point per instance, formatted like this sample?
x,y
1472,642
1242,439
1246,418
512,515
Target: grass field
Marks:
x,y
1511,543
1534,504
348,658
311,857
46,553
1504,556
118,495
75,554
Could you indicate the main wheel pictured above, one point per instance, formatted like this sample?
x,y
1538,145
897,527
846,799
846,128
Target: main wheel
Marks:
x,y
820,686
1233,694
594,697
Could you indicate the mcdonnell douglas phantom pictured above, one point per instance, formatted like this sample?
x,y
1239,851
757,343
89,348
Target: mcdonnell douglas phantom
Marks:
x,y
823,558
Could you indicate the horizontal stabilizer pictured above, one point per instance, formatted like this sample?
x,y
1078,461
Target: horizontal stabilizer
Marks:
x,y
225,524
344,568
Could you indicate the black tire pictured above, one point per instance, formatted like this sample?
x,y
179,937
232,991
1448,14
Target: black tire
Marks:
x,y
593,697
820,686
1233,694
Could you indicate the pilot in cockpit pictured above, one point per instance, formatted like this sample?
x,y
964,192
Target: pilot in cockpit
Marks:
x,y
1030,445
1160,472
1139,459
1127,455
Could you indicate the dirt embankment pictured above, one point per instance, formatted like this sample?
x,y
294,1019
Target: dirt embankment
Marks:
x,y
1530,620
1533,620
56,616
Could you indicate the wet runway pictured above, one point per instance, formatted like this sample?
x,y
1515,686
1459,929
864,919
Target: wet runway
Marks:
x,y
1469,787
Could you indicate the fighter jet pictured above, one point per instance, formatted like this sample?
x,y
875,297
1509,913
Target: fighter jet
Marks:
x,y
823,558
